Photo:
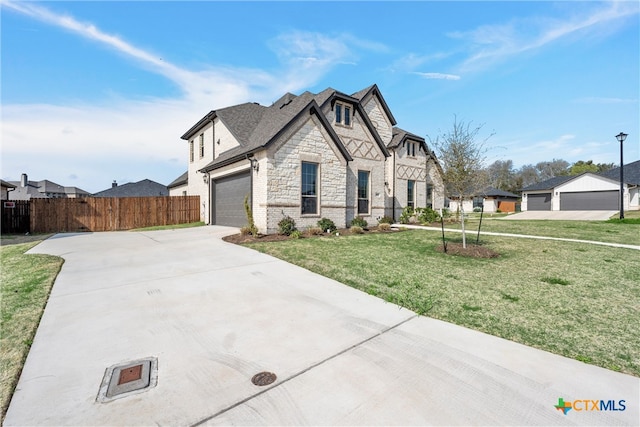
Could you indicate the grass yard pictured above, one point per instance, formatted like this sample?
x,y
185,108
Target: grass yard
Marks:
x,y
26,281
577,300
602,231
170,227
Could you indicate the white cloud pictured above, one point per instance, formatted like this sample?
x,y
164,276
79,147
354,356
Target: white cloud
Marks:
x,y
127,139
438,76
489,44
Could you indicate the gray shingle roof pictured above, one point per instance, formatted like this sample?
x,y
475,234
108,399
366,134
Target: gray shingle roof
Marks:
x,y
399,135
181,180
549,183
40,189
631,173
267,123
144,188
7,184
496,192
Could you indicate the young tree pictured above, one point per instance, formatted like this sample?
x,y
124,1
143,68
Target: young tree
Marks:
x,y
462,158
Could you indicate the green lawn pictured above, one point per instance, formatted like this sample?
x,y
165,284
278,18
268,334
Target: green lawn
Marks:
x,y
169,227
577,300
26,281
602,231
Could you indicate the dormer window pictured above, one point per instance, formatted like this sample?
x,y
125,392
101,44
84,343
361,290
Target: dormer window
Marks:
x,y
343,114
411,149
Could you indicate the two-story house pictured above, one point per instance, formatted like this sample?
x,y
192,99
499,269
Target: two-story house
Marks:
x,y
309,156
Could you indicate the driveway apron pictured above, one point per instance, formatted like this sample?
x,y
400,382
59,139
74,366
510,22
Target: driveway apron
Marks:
x,y
213,314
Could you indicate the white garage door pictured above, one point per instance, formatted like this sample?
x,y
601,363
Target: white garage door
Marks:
x,y
590,201
228,199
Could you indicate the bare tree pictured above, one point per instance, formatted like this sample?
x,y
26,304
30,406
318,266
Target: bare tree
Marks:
x,y
462,159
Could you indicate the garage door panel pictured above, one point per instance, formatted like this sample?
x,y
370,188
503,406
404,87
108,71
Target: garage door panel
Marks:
x,y
539,202
589,201
228,195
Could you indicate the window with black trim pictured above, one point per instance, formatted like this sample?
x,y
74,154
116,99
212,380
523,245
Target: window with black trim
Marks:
x,y
478,202
191,151
201,145
343,114
363,192
411,193
309,189
430,196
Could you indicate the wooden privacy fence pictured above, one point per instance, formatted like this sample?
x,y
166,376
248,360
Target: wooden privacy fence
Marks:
x,y
111,213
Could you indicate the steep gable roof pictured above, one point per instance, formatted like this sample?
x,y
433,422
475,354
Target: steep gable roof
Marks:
x,y
275,120
631,173
373,90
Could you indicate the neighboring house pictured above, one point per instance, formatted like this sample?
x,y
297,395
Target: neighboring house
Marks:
x,y
310,156
631,178
6,187
144,188
493,199
26,190
587,191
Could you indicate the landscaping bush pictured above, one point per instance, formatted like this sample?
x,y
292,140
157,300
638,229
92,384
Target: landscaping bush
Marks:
x,y
245,231
385,220
356,229
427,216
477,209
327,225
407,215
287,225
315,231
498,211
358,222
295,234
383,226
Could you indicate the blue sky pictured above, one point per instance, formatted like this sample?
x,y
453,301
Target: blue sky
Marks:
x,y
99,91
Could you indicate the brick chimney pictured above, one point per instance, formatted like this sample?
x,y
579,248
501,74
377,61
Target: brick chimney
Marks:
x,y
114,184
24,181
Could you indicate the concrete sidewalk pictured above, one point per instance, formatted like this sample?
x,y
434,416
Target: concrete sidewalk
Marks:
x,y
562,215
215,314
472,233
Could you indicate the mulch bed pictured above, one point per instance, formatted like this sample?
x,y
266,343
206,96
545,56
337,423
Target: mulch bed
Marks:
x,y
241,239
472,251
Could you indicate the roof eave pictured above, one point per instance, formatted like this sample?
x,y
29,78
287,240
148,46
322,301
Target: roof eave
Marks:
x,y
195,128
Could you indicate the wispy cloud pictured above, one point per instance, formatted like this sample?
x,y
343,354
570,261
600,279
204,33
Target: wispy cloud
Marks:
x,y
490,44
134,135
437,76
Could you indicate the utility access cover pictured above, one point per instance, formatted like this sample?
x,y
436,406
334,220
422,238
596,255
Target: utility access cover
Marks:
x,y
128,378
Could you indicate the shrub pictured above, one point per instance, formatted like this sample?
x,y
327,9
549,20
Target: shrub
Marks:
x,y
358,222
385,220
498,211
245,231
315,231
383,226
428,215
356,230
407,214
286,226
446,213
295,234
477,209
327,225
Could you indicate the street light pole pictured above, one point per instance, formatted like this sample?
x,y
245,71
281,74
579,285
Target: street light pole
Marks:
x,y
621,137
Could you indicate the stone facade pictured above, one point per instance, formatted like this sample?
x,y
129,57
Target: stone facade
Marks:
x,y
312,134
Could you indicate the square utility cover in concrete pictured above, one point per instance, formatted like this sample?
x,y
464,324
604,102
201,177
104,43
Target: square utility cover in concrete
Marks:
x,y
128,378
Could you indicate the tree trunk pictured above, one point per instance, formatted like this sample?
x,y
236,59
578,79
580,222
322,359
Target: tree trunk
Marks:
x,y
464,236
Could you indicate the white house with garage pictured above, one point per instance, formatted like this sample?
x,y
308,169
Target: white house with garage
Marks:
x,y
308,156
588,191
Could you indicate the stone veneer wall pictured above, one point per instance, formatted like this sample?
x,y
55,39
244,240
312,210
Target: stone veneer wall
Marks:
x,y
282,186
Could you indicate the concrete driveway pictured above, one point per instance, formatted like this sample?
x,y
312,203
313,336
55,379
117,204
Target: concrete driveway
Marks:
x,y
214,314
564,215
